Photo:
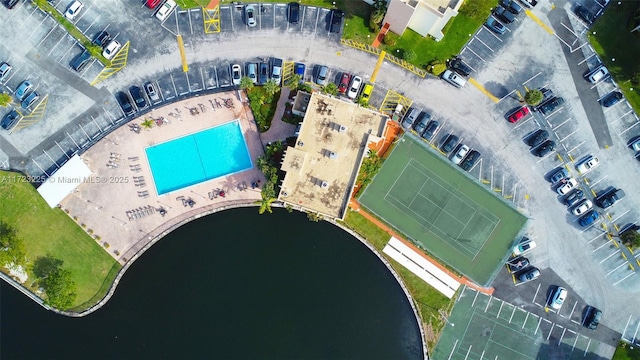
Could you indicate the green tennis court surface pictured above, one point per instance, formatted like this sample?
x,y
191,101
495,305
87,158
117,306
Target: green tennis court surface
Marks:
x,y
431,201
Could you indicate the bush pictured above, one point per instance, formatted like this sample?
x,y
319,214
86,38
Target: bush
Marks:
x,y
409,55
390,39
533,97
436,67
375,20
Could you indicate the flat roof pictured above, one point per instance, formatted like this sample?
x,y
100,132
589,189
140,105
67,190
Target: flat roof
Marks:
x,y
64,181
322,167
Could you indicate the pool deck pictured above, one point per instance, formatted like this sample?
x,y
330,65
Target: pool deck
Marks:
x,y
106,204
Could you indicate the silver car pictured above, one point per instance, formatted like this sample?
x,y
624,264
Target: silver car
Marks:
x,y
321,76
23,89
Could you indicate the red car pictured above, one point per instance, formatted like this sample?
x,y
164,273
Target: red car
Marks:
x,y
518,115
344,82
151,4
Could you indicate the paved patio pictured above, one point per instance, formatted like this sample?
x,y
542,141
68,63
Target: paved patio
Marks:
x,y
119,204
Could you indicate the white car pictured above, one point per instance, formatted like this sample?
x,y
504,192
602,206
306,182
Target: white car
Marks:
x,y
457,158
250,13
165,10
73,10
557,298
598,74
582,207
567,184
355,87
588,164
524,246
236,74
111,49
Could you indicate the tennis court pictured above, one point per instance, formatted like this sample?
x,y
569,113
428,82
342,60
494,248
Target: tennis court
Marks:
x,y
442,210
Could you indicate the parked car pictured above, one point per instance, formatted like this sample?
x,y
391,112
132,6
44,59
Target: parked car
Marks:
x,y
504,15
609,197
111,49
432,126
584,14
410,117
5,69
101,39
529,275
459,66
80,61
276,70
592,317
345,79
494,25
469,162
250,14
544,149
517,263
299,69
449,143
354,89
582,207
165,10
321,76
421,124
366,92
512,6
525,245
587,164
519,114
559,175
611,99
453,78
566,185
23,89
573,197
236,74
10,119
30,100
537,138
293,15
152,4
551,105
336,20
557,298
546,95
634,143
73,10
459,155
599,73
152,93
263,73
138,97
588,218
529,3
10,4
125,103
252,72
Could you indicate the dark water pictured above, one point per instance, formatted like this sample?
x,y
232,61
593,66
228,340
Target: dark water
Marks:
x,y
232,285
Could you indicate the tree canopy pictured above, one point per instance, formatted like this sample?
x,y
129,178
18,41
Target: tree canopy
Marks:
x,y
11,246
57,282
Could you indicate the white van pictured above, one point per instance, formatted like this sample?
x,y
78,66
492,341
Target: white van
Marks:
x,y
453,79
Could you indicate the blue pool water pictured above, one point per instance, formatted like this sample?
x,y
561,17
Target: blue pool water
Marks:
x,y
198,157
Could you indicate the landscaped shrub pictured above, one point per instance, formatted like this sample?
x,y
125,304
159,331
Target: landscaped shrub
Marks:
x,y
436,67
409,55
533,97
390,38
375,20
263,106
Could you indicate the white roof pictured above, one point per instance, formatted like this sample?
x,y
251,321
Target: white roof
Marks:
x,y
66,179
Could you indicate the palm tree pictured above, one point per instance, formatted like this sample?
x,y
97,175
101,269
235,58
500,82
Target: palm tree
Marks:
x,y
265,204
147,124
246,83
293,81
271,87
263,164
330,89
5,99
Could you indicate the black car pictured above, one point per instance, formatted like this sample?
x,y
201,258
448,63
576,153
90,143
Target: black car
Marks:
x,y
611,99
512,6
546,94
10,120
336,20
584,14
263,73
544,149
537,138
517,263
609,197
80,61
470,160
430,130
294,12
591,317
449,143
102,39
138,97
550,105
460,67
504,15
125,103
10,4
573,197
421,124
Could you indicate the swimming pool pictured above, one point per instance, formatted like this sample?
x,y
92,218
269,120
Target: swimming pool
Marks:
x,y
198,157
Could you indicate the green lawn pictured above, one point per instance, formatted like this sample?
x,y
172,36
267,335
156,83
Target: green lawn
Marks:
x,y
611,39
51,231
625,351
428,299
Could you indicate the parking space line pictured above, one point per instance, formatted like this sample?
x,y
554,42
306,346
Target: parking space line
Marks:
x,y
56,45
562,123
45,37
553,113
620,216
623,115
35,8
566,137
36,28
90,25
618,267
573,309
160,90
608,257
475,83
202,79
485,44
550,330
536,294
175,91
591,185
190,22
577,146
561,336
474,53
539,22
66,52
624,278
629,128
188,84
596,238
537,326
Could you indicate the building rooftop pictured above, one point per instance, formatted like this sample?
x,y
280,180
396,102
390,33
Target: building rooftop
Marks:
x,y
322,168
